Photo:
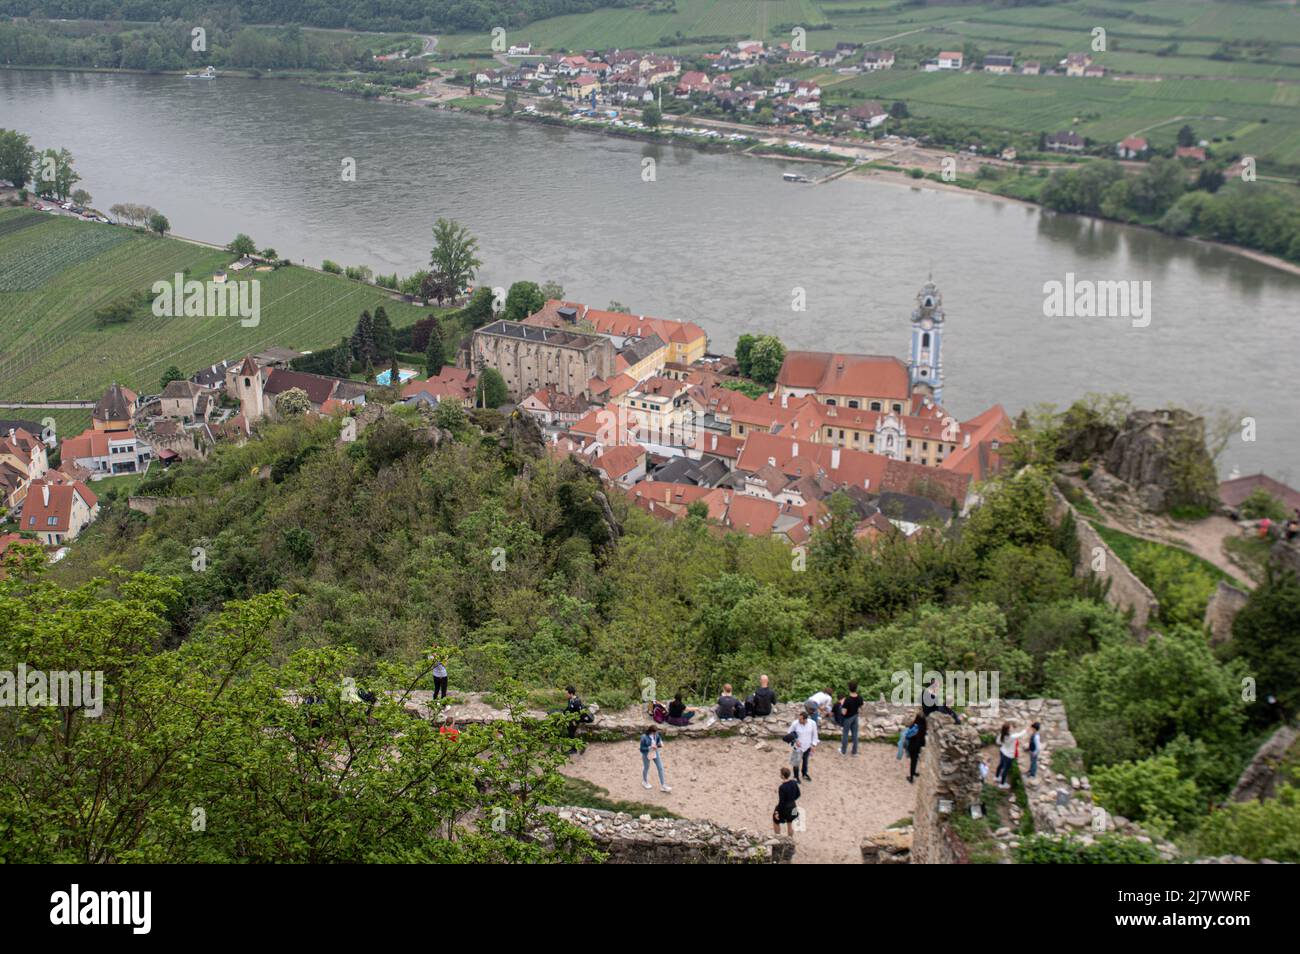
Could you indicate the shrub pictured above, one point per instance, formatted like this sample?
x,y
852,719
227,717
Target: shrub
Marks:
x,y
1151,791
1108,850
1256,830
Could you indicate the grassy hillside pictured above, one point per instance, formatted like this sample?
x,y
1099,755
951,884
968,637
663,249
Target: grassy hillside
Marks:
x,y
56,272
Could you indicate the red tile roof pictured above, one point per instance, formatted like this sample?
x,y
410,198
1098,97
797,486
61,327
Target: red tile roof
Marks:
x,y
856,374
37,510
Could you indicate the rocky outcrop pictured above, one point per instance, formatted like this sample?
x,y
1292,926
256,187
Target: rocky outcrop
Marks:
x,y
893,846
1162,456
1259,780
642,840
1222,609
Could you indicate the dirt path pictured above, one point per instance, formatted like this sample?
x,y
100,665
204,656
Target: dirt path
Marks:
x,y
731,782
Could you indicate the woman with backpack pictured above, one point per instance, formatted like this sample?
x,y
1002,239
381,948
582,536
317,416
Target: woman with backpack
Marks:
x,y
1009,748
652,744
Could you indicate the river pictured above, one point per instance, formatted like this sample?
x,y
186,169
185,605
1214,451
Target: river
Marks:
x,y
715,237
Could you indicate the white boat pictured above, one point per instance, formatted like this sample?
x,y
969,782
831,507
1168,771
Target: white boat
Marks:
x,y
207,74
795,177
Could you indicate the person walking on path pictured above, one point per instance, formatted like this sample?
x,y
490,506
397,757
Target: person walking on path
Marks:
x,y
787,795
805,740
849,719
439,679
652,744
915,742
1009,747
1035,750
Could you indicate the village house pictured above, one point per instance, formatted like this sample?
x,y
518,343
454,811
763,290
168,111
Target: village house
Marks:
x,y
869,115
950,60
1195,153
874,60
661,413
186,402
550,407
1031,68
115,411
449,384
257,388
686,341
57,512
23,458
1094,72
997,63
692,81
1131,147
107,453
1065,142
1076,63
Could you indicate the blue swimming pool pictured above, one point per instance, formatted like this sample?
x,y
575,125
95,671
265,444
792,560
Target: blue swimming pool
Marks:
x,y
403,375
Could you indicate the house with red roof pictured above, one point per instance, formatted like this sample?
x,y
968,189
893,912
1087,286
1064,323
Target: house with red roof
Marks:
x,y
1132,147
106,453
870,381
56,512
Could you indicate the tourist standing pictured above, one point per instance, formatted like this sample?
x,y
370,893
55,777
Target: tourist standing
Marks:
x,y
787,795
1035,750
1009,747
849,719
915,743
652,744
805,740
573,710
439,679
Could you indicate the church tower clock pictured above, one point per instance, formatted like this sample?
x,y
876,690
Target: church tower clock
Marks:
x,y
926,364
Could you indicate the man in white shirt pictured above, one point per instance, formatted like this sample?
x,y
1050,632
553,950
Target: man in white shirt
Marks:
x,y
819,704
805,740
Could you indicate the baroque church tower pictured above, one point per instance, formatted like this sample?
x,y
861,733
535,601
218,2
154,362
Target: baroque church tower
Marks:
x,y
926,363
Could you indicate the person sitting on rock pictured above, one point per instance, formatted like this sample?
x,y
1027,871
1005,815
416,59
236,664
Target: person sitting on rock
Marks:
x,y
763,699
932,701
727,703
678,714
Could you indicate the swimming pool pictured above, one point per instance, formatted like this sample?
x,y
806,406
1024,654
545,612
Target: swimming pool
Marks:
x,y
403,375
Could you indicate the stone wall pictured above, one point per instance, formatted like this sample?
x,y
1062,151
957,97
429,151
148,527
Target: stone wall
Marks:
x,y
1222,609
642,840
1126,592
947,785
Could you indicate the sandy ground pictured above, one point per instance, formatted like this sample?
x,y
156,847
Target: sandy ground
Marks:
x,y
730,782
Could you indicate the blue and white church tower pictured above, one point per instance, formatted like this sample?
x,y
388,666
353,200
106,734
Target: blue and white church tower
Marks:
x,y
926,364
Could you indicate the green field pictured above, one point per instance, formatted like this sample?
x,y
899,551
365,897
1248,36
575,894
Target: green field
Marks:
x,y
55,272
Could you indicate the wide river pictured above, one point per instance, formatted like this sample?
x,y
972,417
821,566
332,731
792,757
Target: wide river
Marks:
x,y
716,238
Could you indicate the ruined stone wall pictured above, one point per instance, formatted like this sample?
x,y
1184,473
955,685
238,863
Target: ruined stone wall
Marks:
x,y
948,784
1126,592
642,840
1222,609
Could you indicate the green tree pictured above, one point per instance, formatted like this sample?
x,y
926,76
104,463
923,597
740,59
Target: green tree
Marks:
x,y
744,348
1266,637
293,403
1150,791
363,345
342,363
652,116
491,389
55,176
453,262
511,102
16,157
384,337
1186,137
158,223
1256,830
435,357
242,245
81,198
523,299
479,308
765,359
172,373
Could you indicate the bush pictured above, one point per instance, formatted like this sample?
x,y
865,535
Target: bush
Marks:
x,y
1179,580
332,267
1256,830
1108,850
1151,791
1261,504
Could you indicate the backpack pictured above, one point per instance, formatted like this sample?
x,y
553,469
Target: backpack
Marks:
x,y
658,712
739,711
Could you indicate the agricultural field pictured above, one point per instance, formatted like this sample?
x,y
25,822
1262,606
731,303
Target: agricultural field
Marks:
x,y
53,348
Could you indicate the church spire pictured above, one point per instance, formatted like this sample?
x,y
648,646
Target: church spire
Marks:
x,y
926,363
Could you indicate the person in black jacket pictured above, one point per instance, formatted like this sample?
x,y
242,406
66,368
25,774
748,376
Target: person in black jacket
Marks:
x,y
763,698
787,795
915,744
932,701
573,709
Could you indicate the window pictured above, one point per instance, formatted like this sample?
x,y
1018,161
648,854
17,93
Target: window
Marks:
x,y
853,404
909,443
925,340
925,445
875,405
830,402
898,409
51,521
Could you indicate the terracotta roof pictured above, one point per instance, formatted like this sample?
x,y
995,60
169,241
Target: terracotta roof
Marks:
x,y
978,459
618,461
37,510
92,443
857,374
1233,492
319,388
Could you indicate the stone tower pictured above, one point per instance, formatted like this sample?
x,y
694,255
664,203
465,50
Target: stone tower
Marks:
x,y
925,365
248,388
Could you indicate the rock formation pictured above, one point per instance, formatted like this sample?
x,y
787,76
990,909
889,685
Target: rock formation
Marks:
x,y
1162,456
